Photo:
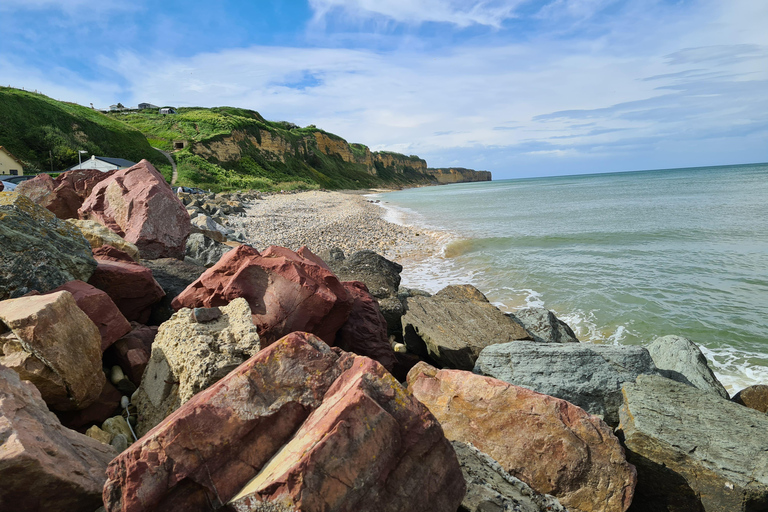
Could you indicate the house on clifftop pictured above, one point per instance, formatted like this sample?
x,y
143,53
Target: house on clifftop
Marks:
x,y
9,164
103,164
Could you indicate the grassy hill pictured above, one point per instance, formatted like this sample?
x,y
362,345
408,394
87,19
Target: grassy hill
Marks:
x,y
224,148
46,134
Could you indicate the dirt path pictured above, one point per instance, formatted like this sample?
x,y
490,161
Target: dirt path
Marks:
x,y
173,164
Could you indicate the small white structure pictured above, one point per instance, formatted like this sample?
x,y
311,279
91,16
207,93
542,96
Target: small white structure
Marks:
x,y
167,110
142,106
103,164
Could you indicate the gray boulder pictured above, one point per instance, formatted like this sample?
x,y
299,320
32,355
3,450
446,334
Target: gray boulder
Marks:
x,y
203,250
37,250
188,356
173,276
585,374
491,489
454,325
693,450
544,326
680,359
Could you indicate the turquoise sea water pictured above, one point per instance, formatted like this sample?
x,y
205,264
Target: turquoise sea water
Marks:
x,y
622,257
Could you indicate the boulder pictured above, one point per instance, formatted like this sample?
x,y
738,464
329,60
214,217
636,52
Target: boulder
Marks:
x,y
680,359
55,344
37,250
693,449
299,426
454,325
132,351
380,275
550,444
755,397
287,291
99,235
60,199
107,252
544,326
173,276
106,405
365,331
490,488
130,286
100,309
209,226
203,250
82,181
585,374
188,357
137,204
44,466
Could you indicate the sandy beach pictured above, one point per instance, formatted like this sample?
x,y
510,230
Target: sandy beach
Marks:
x,y
322,220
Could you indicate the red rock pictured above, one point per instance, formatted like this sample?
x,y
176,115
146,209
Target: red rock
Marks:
x,y
138,204
82,181
550,444
365,331
60,199
100,309
132,351
44,466
65,346
298,422
111,253
755,397
105,406
130,286
287,292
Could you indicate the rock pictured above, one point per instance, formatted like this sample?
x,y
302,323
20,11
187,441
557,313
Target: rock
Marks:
x,y
131,287
380,275
132,351
120,443
365,331
187,357
98,235
755,397
44,466
207,225
585,374
693,449
82,181
203,315
97,305
544,326
117,425
107,252
105,406
61,200
490,488
96,433
137,204
204,250
37,250
299,422
680,359
286,291
173,276
550,444
455,324
63,340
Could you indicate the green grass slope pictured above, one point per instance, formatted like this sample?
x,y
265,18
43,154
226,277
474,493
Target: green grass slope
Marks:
x,y
46,134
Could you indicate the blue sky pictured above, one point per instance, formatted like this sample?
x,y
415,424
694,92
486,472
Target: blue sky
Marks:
x,y
517,87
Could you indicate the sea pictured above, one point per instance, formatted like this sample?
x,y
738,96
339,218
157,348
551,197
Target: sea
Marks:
x,y
623,258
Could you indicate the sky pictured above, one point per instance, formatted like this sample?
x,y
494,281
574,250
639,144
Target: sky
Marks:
x,y
521,88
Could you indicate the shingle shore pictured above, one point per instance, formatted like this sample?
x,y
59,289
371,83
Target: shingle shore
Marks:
x,y
322,220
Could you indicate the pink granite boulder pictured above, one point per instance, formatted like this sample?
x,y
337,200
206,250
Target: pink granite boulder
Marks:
x,y
100,309
60,199
44,466
550,444
287,292
138,204
299,426
365,331
56,346
130,286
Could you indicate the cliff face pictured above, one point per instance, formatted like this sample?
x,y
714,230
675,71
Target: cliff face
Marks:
x,y
458,175
400,163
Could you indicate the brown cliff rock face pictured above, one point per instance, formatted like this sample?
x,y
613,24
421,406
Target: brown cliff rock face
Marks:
x,y
44,466
299,426
286,291
100,309
365,331
550,444
56,346
399,163
130,286
137,204
458,175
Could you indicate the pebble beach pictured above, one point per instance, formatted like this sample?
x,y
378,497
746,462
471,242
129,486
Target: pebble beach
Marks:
x,y
322,220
